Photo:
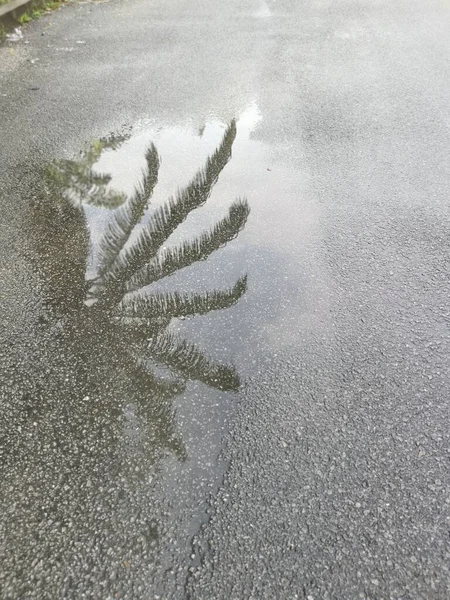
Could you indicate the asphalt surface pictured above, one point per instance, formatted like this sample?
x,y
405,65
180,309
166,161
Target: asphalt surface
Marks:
x,y
326,476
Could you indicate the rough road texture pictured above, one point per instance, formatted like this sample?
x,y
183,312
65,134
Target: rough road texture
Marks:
x,y
338,480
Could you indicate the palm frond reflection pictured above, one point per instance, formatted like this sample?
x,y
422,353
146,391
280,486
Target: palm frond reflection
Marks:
x,y
113,312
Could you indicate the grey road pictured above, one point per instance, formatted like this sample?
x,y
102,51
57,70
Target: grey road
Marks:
x,y
324,474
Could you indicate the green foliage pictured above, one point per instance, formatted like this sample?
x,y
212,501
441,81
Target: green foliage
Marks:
x,y
25,18
53,5
39,8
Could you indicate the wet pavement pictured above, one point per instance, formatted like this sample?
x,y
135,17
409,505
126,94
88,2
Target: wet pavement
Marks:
x,y
238,389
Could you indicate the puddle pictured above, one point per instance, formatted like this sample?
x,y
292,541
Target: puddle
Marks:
x,y
106,427
128,234
152,316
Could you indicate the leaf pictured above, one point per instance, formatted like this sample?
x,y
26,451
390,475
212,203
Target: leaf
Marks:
x,y
138,330
105,198
189,360
128,216
192,251
148,306
167,218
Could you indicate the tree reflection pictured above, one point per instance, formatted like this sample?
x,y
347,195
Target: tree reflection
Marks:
x,y
117,331
87,437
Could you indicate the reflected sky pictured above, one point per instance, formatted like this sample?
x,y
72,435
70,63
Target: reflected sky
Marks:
x,y
276,193
263,11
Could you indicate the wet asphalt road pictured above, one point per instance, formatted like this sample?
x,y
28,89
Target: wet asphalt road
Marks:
x,y
326,476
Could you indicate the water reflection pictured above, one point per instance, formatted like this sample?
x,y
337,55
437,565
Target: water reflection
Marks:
x,y
263,11
100,418
113,307
78,182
